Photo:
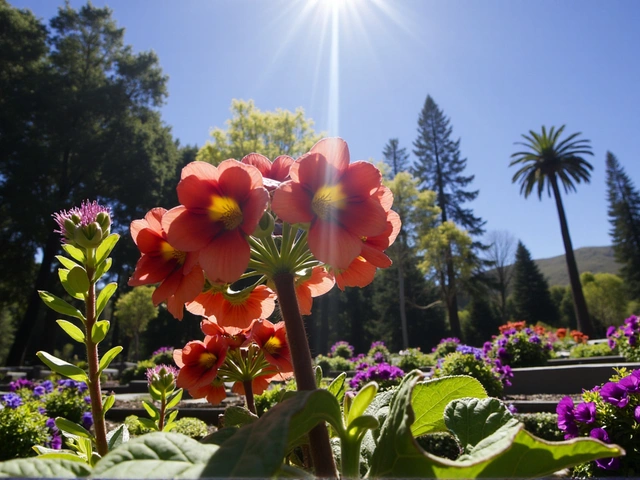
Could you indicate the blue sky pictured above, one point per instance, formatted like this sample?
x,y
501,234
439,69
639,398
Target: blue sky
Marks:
x,y
497,68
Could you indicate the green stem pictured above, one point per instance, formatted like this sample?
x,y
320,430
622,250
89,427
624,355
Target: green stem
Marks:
x,y
350,458
163,407
95,392
303,369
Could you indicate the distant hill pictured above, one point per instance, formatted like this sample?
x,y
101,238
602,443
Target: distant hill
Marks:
x,y
589,259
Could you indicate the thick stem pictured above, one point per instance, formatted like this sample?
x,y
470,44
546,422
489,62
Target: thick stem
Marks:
x,y
163,407
248,395
350,461
95,392
321,452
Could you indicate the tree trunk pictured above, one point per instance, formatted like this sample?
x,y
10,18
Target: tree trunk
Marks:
x,y
31,321
403,307
452,298
579,303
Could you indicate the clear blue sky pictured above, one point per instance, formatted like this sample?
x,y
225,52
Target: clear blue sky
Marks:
x,y
497,68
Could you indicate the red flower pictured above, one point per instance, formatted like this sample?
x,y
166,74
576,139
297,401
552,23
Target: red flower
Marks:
x,y
199,361
336,198
220,207
234,336
181,279
278,170
319,283
214,392
261,383
561,333
234,309
272,340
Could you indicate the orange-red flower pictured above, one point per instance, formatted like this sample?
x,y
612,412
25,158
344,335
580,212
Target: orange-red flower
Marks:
x,y
234,309
199,361
181,279
561,333
214,392
272,340
319,283
336,198
220,207
234,336
278,170
261,383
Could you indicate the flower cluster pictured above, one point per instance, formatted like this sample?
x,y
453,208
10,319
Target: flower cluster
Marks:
x,y
625,337
445,346
519,346
384,374
342,349
611,413
224,230
85,226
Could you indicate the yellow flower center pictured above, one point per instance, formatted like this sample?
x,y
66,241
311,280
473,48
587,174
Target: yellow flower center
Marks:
x,y
207,360
225,210
327,200
273,345
168,252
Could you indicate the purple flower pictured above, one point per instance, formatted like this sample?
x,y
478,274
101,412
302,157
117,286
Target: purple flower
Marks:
x,y
614,394
39,391
42,410
586,412
636,414
534,339
20,383
87,399
87,420
12,400
87,213
379,344
486,348
378,357
503,354
56,441
611,463
342,345
162,350
51,424
633,340
47,385
382,373
630,383
611,342
566,418
600,434
611,330
467,350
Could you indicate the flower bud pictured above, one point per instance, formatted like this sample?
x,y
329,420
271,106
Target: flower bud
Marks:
x,y
89,236
265,226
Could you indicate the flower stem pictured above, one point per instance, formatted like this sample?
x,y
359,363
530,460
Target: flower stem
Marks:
x,y
163,407
321,452
248,395
95,392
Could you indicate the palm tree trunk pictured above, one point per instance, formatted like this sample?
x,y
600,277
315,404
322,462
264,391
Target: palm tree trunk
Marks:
x,y
579,303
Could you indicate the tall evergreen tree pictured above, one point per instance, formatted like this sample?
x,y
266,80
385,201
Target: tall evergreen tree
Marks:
x,y
531,297
440,168
624,216
395,157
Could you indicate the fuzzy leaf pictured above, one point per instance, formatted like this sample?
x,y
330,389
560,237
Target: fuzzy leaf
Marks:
x,y
72,330
63,368
236,416
118,436
44,468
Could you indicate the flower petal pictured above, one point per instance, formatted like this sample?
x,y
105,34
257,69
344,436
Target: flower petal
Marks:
x,y
226,257
335,150
364,219
236,180
195,192
253,208
292,203
359,274
259,161
202,170
332,244
187,231
280,168
361,179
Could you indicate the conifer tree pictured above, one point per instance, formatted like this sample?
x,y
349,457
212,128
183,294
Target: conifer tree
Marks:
x,y
624,216
531,297
395,157
440,168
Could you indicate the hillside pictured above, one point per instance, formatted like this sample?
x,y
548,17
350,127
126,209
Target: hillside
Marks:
x,y
589,259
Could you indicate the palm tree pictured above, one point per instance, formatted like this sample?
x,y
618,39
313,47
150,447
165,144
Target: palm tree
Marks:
x,y
548,161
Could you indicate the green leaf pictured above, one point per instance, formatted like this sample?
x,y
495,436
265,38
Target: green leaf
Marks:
x,y
104,296
75,253
117,437
155,455
72,428
172,416
43,468
236,416
108,357
64,280
473,421
108,403
59,305
174,398
338,387
397,454
99,330
151,409
78,280
148,423
103,268
72,330
362,401
430,398
63,368
258,449
103,251
220,436
66,262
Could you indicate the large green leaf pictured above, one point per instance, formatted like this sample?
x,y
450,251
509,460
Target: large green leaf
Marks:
x,y
430,398
398,455
258,449
43,468
155,455
237,416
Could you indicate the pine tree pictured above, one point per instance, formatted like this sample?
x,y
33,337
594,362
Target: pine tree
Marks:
x,y
531,297
440,168
624,216
395,157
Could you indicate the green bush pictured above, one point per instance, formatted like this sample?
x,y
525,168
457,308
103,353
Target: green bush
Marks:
x,y
20,429
68,403
379,352
413,358
445,347
272,396
134,426
520,348
459,363
191,427
542,425
136,373
163,358
440,444
585,350
333,364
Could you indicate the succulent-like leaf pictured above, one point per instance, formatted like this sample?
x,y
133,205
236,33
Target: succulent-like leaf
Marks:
x,y
59,305
99,330
104,296
72,330
63,368
108,357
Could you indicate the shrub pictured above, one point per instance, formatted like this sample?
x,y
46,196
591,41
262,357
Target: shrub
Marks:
x,y
323,362
584,350
445,347
611,413
191,427
519,348
139,372
163,356
475,365
625,338
68,400
387,376
442,444
413,358
272,396
342,349
21,427
542,425
379,353
134,426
